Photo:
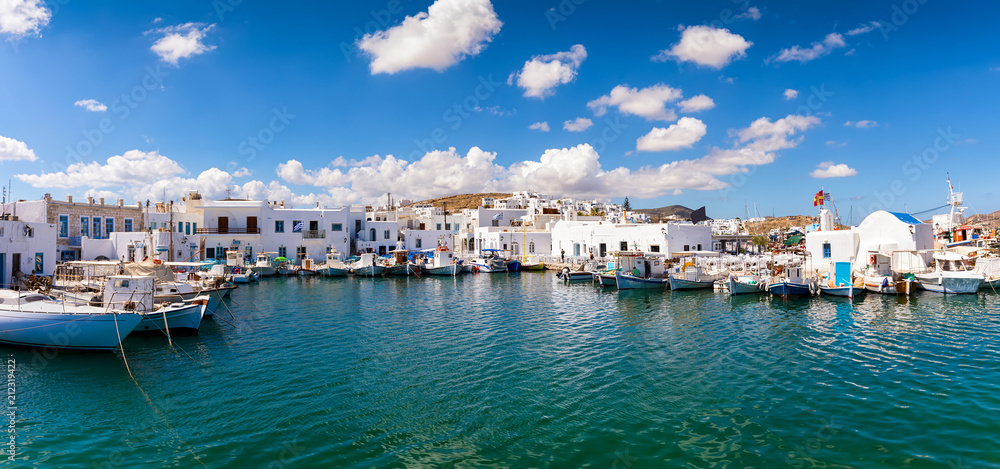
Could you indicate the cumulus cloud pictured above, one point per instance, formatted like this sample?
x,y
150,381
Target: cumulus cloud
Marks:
x,y
543,73
648,102
448,32
540,126
706,46
828,169
773,136
697,104
791,94
132,167
181,41
578,125
91,105
865,28
11,150
20,18
815,51
862,124
683,134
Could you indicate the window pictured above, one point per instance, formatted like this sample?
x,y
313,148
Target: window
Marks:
x,y
337,227
439,227
97,227
531,247
128,225
826,250
84,226
624,246
279,226
121,283
372,233
699,247
300,253
447,226
654,248
109,226
39,265
67,256
63,226
209,253
386,234
496,222
187,228
687,247
29,232
297,226
180,227
420,243
194,228
282,251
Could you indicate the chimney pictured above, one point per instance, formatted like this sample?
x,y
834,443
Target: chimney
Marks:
x,y
90,200
282,204
48,197
69,198
121,202
101,200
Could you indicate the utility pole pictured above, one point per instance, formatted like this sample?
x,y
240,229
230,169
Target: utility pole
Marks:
x,y
170,250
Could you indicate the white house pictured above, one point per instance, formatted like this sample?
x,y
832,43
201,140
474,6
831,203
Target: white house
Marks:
x,y
584,238
827,245
26,248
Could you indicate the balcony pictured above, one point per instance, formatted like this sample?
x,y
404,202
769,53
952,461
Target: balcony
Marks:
x,y
230,230
75,241
313,234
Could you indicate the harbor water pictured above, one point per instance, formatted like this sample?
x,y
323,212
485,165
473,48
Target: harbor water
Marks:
x,y
521,370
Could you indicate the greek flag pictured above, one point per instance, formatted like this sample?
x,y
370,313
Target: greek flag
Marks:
x,y
498,216
298,227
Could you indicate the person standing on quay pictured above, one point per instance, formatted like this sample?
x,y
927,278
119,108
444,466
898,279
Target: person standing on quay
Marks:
x,y
562,254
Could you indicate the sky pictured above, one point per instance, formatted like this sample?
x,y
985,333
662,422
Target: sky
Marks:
x,y
739,106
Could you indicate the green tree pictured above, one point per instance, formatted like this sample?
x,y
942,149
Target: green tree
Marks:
x,y
625,205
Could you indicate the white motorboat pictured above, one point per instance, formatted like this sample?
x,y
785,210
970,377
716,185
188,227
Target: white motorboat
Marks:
x,y
263,266
35,320
489,262
334,265
879,277
951,274
443,263
743,284
366,266
839,282
693,273
135,293
646,272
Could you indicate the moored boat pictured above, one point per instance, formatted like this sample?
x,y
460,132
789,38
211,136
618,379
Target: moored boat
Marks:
x,y
951,274
745,284
34,320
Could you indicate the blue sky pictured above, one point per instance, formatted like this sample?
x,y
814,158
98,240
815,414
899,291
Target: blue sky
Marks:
x,y
692,103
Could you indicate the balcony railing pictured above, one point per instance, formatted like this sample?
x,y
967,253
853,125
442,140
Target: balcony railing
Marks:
x,y
75,240
313,234
230,230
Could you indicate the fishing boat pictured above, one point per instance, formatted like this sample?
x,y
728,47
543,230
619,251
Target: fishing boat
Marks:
x,y
513,265
744,284
136,293
693,273
334,265
532,267
582,274
647,273
263,266
789,280
951,274
307,268
366,266
442,263
34,320
989,267
879,277
840,282
490,262
399,263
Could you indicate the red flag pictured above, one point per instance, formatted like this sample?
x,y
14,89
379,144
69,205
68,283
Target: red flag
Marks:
x,y
818,199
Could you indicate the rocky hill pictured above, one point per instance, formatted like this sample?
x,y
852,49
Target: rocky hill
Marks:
x,y
461,201
656,214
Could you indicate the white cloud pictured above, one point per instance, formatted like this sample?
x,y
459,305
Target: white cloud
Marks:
x,y
865,28
829,170
11,150
181,41
132,167
815,51
772,136
752,13
578,125
448,32
706,46
791,94
648,102
834,143
697,104
543,73
540,126
91,105
683,134
862,124
242,172
20,18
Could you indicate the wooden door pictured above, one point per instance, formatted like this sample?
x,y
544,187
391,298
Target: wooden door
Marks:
x,y
223,225
251,225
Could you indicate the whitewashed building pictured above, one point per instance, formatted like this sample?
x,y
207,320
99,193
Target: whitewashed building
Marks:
x,y
26,248
582,239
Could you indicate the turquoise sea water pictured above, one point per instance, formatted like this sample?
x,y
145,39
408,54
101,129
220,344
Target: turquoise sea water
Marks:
x,y
521,370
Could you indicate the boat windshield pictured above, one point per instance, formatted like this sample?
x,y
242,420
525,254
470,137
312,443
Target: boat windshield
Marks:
x,y
33,298
954,266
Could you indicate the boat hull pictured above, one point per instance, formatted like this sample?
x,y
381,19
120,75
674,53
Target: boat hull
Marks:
x,y
265,270
401,270
487,269
185,318
628,282
786,289
451,270
845,292
513,266
333,272
888,287
574,277
370,271
525,267
739,287
606,280
682,284
66,331
956,285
